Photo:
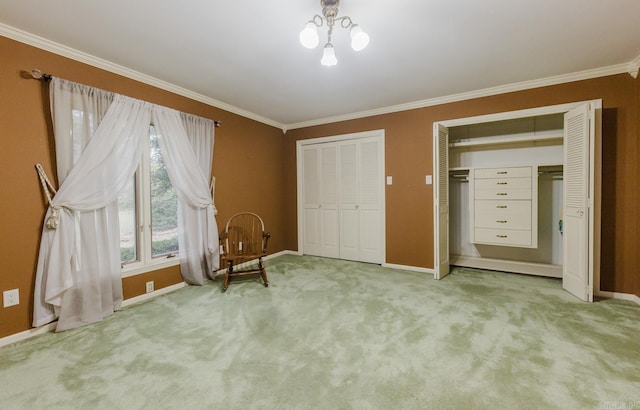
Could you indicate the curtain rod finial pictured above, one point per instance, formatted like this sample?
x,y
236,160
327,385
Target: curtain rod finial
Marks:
x,y
39,75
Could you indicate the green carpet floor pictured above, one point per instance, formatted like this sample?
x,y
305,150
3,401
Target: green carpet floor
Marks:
x,y
330,334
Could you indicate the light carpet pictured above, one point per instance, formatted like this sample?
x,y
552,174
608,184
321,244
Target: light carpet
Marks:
x,y
332,334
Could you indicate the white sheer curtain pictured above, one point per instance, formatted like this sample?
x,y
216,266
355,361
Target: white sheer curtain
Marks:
x,y
78,277
197,227
99,141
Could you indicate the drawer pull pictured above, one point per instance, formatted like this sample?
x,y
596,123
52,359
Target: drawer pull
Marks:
x,y
501,183
501,194
501,172
501,206
501,236
501,222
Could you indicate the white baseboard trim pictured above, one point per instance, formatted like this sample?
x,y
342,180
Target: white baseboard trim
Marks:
x,y
254,261
151,295
540,269
617,295
408,267
286,252
27,334
50,327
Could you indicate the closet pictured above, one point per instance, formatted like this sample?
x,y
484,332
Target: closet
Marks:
x,y
519,192
341,196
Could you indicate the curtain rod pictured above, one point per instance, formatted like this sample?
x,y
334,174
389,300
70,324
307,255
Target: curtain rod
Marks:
x,y
37,74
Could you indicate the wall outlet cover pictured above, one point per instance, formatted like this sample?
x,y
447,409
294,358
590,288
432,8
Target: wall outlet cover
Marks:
x,y
150,287
11,297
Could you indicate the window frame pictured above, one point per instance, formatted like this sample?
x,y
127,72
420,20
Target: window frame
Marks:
x,y
145,261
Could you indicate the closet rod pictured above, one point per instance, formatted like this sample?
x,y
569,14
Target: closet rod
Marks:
x,y
551,172
37,74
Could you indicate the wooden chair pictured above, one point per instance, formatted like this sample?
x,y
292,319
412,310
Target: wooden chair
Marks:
x,y
243,240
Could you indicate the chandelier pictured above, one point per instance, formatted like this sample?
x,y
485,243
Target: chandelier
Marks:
x,y
309,35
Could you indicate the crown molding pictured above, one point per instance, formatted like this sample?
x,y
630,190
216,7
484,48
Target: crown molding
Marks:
x,y
56,48
633,67
486,92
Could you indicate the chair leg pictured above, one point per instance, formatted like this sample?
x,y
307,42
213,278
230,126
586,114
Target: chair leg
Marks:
x,y
225,280
263,273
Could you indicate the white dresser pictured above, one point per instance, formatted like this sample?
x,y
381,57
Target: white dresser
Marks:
x,y
503,206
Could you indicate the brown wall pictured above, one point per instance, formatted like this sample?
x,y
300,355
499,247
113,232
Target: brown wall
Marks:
x,y
248,158
408,155
255,167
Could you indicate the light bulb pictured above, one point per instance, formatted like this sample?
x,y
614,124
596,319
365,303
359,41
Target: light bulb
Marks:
x,y
328,56
309,35
359,39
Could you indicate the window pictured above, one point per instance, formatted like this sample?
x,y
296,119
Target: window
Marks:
x,y
148,212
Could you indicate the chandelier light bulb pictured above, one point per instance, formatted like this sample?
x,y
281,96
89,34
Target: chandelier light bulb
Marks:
x,y
309,35
328,56
359,39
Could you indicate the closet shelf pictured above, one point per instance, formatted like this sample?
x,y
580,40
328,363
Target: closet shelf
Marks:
x,y
507,139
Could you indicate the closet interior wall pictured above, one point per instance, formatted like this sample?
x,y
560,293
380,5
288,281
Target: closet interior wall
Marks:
x,y
533,141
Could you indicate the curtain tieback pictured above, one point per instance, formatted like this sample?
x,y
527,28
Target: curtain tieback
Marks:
x,y
54,219
47,187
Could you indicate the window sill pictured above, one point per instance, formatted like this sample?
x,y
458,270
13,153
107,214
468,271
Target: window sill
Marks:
x,y
138,268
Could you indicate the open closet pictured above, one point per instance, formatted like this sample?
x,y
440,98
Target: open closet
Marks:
x,y
519,192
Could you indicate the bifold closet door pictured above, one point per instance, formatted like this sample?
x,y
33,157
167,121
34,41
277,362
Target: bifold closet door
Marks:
x,y
577,272
342,199
320,200
441,200
360,200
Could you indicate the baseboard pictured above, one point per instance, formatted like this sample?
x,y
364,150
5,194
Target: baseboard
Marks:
x,y
530,268
286,252
151,295
254,261
50,327
408,267
27,334
617,295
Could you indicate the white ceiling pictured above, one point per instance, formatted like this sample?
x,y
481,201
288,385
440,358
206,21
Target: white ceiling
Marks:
x,y
245,54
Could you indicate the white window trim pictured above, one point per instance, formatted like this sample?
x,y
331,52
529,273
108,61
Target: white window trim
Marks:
x,y
146,262
138,268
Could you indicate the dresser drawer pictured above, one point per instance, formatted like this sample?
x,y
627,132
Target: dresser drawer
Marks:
x,y
503,183
506,172
503,214
503,237
501,193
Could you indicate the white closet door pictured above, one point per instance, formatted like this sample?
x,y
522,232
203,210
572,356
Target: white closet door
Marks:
x,y
341,197
320,197
577,277
360,179
329,201
349,219
370,206
312,240
441,200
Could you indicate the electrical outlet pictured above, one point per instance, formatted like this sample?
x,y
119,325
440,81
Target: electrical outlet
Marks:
x,y
11,297
149,286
